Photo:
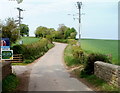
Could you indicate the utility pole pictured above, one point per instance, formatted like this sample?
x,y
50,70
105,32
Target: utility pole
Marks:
x,y
19,9
79,8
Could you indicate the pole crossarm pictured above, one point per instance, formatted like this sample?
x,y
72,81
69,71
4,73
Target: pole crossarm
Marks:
x,y
20,9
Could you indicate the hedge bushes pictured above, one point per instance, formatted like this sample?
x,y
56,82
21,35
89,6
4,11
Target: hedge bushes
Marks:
x,y
70,41
18,49
9,84
88,59
81,57
34,50
61,40
78,53
91,59
69,58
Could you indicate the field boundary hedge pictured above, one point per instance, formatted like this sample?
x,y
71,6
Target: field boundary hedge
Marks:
x,y
33,51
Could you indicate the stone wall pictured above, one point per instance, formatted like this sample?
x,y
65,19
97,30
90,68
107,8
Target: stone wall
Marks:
x,y
6,68
108,72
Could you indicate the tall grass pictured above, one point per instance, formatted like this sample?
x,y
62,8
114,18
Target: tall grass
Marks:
x,y
69,58
101,84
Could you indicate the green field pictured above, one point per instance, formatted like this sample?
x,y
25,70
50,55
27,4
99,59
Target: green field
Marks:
x,y
108,47
28,40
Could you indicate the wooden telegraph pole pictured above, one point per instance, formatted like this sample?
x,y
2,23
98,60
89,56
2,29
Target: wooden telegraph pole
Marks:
x,y
20,10
79,7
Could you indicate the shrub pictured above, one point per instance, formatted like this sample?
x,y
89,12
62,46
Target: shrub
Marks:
x,y
91,59
83,74
49,37
61,40
78,53
72,41
34,50
28,61
69,58
9,84
18,49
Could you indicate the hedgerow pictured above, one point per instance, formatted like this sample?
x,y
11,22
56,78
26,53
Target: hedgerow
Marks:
x,y
34,50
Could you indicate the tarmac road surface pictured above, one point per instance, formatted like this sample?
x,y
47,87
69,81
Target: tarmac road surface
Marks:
x,y
50,74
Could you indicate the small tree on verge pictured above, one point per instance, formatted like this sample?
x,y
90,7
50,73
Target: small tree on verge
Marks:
x,y
10,30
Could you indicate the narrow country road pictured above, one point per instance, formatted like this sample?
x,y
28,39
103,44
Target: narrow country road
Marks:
x,y
49,73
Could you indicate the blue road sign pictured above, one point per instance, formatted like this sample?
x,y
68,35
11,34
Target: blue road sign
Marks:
x,y
5,43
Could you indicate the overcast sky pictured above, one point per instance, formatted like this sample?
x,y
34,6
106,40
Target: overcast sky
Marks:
x,y
100,20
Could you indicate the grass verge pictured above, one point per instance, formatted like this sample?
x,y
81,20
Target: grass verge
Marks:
x,y
68,57
94,81
100,84
9,84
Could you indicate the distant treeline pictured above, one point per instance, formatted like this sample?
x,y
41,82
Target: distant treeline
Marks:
x,y
63,32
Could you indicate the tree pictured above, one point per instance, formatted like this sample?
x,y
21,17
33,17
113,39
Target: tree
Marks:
x,y
73,33
58,35
67,33
62,29
38,32
10,30
50,38
24,30
43,31
70,33
73,30
53,34
63,32
50,30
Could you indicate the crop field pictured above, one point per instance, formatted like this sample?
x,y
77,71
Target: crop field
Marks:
x,y
28,40
107,47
